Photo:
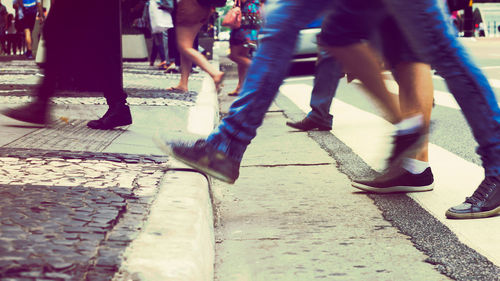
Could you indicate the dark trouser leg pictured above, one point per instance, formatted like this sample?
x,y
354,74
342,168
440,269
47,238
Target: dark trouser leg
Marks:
x,y
326,80
172,46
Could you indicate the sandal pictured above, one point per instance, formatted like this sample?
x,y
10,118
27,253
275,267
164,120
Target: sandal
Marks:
x,y
233,94
177,90
172,69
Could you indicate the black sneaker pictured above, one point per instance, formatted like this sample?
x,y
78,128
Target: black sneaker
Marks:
x,y
116,116
405,144
203,157
485,202
307,124
29,54
403,182
35,113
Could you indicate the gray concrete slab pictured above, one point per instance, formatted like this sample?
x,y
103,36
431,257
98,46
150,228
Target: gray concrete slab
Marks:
x,y
287,146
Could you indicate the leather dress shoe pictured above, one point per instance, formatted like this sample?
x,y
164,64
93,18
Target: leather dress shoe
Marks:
x,y
35,113
116,116
307,124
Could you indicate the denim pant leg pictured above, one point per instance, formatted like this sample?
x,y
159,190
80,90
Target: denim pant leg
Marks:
x,y
424,24
265,75
158,41
165,46
326,81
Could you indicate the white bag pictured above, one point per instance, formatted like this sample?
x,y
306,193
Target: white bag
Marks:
x,y
160,19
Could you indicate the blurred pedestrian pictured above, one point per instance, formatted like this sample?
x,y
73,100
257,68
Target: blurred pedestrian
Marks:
x,y
3,27
99,61
27,11
190,16
20,37
243,40
11,36
160,21
425,25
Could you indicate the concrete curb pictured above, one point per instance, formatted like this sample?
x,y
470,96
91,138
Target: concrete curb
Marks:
x,y
178,241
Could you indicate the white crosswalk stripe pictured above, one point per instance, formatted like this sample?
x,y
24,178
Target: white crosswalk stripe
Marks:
x,y
455,178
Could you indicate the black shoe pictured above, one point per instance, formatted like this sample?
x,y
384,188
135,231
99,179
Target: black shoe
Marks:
x,y
116,116
485,202
203,157
35,113
307,124
29,54
403,182
405,144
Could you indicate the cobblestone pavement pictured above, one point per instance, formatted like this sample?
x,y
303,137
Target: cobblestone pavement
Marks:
x,y
70,219
144,84
69,215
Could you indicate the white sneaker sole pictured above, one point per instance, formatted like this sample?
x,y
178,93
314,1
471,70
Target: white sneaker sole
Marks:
x,y
393,189
479,215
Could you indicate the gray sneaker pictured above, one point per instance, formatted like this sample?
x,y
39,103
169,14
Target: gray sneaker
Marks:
x,y
485,202
203,157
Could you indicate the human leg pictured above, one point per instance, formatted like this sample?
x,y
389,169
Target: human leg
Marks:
x,y
27,39
239,54
118,113
185,38
416,93
415,96
169,60
344,34
326,79
154,51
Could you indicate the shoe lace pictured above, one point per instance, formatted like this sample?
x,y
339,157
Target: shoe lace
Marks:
x,y
483,191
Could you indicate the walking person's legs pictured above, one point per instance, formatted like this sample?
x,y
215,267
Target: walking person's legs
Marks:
x,y
221,153
158,49
430,35
328,72
185,38
240,55
169,60
154,51
415,97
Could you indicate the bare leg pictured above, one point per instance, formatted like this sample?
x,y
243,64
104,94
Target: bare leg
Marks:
x,y
416,93
185,39
27,35
362,61
239,54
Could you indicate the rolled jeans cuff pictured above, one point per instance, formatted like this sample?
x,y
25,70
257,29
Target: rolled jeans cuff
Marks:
x,y
230,147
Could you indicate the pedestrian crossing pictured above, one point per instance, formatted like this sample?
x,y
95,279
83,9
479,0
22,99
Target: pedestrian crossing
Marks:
x,y
369,136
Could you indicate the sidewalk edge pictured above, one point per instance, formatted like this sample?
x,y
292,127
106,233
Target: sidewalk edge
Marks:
x,y
177,241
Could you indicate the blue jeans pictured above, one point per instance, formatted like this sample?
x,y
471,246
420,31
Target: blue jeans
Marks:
x,y
265,75
326,80
432,37
158,48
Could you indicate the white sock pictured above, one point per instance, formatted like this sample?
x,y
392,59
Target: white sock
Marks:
x,y
409,125
415,166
